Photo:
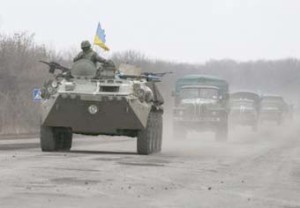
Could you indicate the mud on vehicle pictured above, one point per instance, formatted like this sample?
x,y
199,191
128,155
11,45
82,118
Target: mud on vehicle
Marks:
x,y
201,104
273,108
90,101
244,109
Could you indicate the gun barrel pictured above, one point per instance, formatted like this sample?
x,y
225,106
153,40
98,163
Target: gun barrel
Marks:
x,y
158,74
44,62
54,65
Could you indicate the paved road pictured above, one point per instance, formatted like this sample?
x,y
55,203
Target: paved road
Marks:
x,y
250,170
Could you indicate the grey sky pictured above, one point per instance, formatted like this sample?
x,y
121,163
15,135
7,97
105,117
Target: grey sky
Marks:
x,y
179,30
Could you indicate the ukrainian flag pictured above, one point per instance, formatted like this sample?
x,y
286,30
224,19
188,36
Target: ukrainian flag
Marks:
x,y
99,39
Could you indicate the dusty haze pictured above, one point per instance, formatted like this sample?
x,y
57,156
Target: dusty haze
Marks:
x,y
252,44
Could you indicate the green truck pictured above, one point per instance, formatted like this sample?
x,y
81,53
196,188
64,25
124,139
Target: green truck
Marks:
x,y
273,108
244,109
201,104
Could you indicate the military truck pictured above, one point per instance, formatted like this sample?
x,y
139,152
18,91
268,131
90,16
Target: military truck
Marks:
x,y
201,104
90,101
244,109
273,108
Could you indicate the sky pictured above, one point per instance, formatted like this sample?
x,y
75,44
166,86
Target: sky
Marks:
x,y
175,30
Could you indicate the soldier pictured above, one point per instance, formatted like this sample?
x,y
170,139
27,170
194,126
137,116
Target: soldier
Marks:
x,y
88,53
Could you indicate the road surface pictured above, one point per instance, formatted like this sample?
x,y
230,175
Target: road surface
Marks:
x,y
250,170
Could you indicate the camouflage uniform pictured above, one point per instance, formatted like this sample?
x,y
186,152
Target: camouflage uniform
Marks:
x,y
88,53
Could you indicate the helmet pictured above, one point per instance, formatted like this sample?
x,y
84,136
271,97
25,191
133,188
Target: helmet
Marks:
x,y
85,44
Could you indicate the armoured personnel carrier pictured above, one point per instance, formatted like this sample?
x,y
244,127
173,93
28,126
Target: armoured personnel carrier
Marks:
x,y
244,109
201,104
90,101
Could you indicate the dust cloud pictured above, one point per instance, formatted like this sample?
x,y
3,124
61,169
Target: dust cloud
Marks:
x,y
241,138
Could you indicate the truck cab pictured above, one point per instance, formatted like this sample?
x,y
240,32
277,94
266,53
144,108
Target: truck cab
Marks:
x,y
201,104
273,108
244,109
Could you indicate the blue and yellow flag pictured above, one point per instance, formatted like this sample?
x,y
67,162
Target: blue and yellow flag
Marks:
x,y
99,39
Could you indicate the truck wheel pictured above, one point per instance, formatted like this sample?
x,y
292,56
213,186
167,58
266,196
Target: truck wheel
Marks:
x,y
55,139
146,137
222,132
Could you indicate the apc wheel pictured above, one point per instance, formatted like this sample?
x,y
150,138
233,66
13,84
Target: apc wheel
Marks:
x,y
55,139
148,139
47,140
64,137
159,131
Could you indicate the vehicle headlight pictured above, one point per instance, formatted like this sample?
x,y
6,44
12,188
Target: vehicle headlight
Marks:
x,y
93,109
139,92
149,96
50,89
54,84
141,95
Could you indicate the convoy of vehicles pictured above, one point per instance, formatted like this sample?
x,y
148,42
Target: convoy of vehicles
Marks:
x,y
202,103
91,101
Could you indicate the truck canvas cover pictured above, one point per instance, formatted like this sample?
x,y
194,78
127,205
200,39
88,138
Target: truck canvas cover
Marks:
x,y
205,80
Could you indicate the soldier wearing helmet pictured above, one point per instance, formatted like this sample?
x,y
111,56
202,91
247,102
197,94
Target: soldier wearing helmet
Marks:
x,y
88,53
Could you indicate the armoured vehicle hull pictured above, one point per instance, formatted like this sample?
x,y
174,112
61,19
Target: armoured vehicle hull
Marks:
x,y
201,104
105,105
114,113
